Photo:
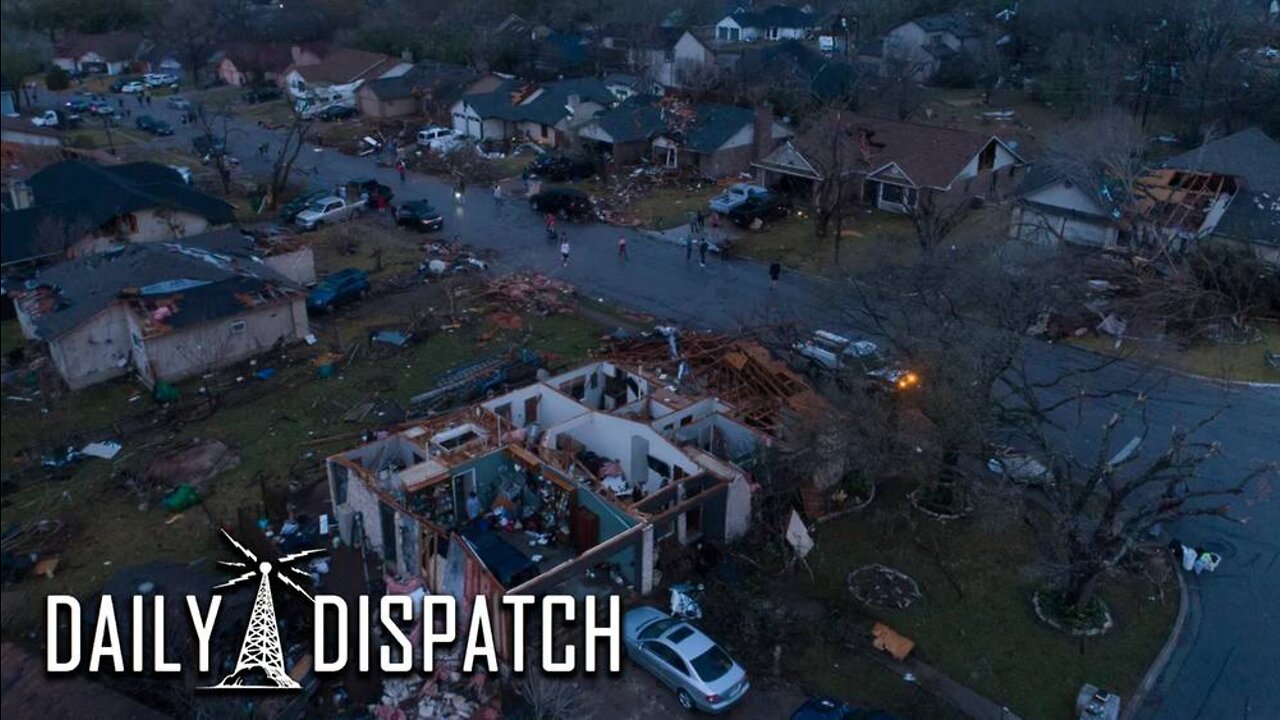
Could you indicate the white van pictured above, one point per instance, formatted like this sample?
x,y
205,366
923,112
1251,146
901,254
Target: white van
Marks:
x,y
439,139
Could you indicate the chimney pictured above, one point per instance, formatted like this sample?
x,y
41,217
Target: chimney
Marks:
x,y
763,130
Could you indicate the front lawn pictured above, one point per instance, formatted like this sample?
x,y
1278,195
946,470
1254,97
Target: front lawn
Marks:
x,y
1229,362
974,621
869,238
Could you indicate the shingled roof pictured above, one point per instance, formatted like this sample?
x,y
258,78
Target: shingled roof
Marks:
x,y
1249,154
548,106
930,156
347,65
73,197
204,285
114,46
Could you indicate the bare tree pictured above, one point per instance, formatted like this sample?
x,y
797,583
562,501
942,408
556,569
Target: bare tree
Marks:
x,y
901,77
552,698
936,215
836,154
1100,508
214,125
287,152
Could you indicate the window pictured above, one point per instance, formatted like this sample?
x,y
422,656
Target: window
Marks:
x,y
657,628
339,484
987,159
237,326
546,131
712,664
668,656
772,33
895,194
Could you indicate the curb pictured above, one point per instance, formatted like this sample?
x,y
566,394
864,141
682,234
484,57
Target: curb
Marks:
x,y
1175,371
1139,695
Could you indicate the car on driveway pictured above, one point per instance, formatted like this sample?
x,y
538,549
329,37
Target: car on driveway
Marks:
x,y
177,102
133,88
827,708
160,79
120,82
562,201
758,207
419,215
337,289
561,168
337,112
439,139
735,195
700,672
147,123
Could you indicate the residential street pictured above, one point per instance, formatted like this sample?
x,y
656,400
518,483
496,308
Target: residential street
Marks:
x,y
1225,667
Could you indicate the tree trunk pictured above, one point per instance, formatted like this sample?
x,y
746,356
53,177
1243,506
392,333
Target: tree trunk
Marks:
x,y
1081,583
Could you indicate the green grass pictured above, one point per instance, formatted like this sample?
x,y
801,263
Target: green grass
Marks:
x,y
273,112
984,634
11,336
400,248
90,137
669,207
832,669
1231,362
272,425
869,238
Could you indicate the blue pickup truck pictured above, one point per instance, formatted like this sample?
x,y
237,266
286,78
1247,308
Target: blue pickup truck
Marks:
x,y
338,289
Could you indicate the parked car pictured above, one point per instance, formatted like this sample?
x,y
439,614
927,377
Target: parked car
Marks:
x,y
439,139
561,168
758,207
133,88
261,94
160,79
419,215
379,195
177,102
120,82
208,145
826,708
562,201
290,211
337,289
735,195
57,119
847,358
147,123
337,112
327,210
77,104
101,108
700,672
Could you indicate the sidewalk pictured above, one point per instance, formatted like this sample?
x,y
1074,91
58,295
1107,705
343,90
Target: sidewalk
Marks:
x,y
930,678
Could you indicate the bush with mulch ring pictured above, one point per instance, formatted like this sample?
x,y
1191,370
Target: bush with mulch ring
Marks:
x,y
942,501
883,586
1089,621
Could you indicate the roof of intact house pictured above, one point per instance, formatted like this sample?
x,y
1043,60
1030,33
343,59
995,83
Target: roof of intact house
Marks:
x,y
1249,154
346,65
195,285
428,78
780,16
637,119
73,197
714,125
930,156
113,46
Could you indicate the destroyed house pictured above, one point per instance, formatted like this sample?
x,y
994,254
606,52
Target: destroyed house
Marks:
x,y
570,484
165,311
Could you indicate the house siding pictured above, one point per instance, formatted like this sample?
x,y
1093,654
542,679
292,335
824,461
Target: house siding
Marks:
x,y
153,225
97,351
213,345
372,106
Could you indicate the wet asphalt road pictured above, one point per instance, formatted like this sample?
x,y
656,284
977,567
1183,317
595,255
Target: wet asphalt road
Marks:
x,y
1228,663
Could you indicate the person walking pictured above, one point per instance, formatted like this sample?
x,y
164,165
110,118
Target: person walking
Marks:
x,y
148,96
564,251
497,195
703,247
775,271
622,248
688,249
400,169
342,192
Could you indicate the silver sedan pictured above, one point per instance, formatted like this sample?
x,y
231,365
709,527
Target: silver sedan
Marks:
x,y
702,674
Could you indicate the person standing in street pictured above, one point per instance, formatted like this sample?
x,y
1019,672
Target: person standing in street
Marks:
x,y
688,249
622,248
703,247
775,271
564,251
400,169
497,195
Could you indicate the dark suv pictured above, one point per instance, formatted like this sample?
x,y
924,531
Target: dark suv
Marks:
x,y
419,215
146,123
339,288
759,207
562,201
261,94
561,169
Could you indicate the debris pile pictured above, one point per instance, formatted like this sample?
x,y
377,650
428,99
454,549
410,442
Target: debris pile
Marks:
x,y
740,371
446,695
534,293
447,258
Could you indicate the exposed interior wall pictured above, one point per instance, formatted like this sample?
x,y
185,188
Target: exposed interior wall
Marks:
x,y
613,522
611,437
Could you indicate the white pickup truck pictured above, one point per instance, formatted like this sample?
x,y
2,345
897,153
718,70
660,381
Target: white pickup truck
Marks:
x,y
328,210
734,196
55,119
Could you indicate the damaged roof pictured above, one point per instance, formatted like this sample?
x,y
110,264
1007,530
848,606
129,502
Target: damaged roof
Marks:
x,y
425,78
637,119
200,285
714,125
1249,155
548,106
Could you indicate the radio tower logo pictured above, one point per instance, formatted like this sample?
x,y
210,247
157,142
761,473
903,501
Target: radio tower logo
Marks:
x,y
261,662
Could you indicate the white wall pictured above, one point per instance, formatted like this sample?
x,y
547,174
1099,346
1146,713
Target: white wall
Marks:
x,y
610,437
214,344
98,350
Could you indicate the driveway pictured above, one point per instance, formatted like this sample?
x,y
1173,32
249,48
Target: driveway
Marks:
x,y
1226,664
